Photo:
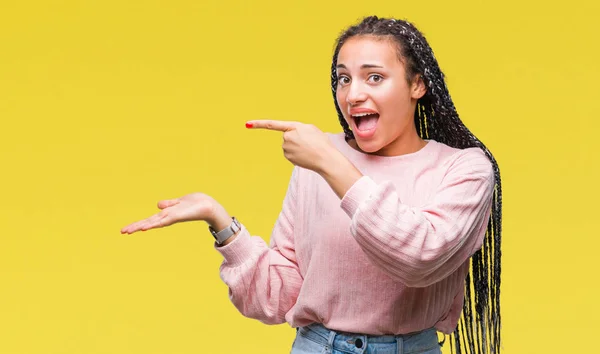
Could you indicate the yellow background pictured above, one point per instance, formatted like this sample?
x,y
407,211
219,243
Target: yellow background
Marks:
x,y
109,106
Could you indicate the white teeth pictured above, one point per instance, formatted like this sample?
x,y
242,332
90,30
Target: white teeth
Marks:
x,y
362,114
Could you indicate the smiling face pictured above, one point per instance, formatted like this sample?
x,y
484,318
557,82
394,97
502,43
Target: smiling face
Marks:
x,y
377,101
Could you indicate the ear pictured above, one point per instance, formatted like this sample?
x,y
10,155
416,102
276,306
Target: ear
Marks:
x,y
418,88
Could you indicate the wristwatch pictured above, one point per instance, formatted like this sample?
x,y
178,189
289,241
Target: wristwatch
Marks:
x,y
227,232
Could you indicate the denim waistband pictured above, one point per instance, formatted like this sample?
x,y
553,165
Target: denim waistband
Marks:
x,y
325,332
357,343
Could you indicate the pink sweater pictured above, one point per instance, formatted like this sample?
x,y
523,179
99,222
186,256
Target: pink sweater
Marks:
x,y
390,258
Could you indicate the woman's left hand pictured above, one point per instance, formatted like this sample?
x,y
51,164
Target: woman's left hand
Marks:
x,y
304,145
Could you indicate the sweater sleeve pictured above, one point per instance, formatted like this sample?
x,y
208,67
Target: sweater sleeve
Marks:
x,y
264,281
420,246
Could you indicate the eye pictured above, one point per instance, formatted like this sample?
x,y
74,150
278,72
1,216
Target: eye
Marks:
x,y
375,78
343,80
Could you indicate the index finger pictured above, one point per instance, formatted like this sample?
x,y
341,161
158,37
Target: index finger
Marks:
x,y
279,125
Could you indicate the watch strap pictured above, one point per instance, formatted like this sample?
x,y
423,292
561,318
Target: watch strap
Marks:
x,y
227,232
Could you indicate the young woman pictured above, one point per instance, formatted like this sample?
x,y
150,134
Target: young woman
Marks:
x,y
373,245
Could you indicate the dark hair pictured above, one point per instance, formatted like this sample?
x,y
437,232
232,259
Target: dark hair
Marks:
x,y
436,118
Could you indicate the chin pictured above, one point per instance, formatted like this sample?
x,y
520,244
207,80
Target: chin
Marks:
x,y
369,147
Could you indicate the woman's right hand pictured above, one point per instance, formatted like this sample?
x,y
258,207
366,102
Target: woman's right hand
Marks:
x,y
194,206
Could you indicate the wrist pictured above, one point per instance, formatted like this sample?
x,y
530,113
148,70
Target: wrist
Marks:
x,y
340,174
329,162
219,218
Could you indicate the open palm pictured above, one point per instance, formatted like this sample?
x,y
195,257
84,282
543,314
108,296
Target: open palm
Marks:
x,y
194,206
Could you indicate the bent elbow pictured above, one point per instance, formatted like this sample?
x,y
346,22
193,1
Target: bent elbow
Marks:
x,y
422,274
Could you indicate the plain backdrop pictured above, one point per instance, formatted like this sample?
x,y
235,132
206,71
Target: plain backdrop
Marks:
x,y
107,107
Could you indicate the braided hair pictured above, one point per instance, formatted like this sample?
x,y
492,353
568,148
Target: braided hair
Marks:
x,y
436,118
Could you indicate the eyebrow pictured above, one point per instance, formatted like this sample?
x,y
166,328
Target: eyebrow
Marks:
x,y
364,66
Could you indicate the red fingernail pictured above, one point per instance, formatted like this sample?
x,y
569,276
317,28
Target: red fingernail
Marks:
x,y
248,125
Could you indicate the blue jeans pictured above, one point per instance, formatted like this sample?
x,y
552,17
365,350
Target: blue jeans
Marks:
x,y
316,339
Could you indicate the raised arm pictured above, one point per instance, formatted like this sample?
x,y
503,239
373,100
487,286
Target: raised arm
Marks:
x,y
420,246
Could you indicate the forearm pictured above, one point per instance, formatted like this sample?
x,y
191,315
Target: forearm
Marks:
x,y
264,281
418,245
339,173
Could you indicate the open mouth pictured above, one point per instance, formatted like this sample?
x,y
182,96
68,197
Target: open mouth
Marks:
x,y
367,122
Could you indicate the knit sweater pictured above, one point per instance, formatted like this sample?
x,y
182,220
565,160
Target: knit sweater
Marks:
x,y
390,257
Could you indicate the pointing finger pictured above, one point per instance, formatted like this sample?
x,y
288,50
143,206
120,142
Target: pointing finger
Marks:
x,y
279,125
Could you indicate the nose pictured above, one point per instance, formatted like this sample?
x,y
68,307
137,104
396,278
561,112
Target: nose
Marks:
x,y
356,94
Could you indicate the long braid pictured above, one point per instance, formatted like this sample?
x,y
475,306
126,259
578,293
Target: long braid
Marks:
x,y
436,118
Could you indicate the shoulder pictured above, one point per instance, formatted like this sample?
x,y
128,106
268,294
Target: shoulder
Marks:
x,y
467,162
